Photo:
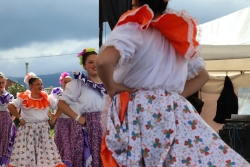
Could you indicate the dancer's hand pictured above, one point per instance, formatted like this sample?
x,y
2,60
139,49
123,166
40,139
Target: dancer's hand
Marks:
x,y
22,122
52,121
118,88
82,121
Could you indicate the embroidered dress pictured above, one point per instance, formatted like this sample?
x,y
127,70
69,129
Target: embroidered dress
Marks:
x,y
69,138
7,129
155,126
86,97
34,146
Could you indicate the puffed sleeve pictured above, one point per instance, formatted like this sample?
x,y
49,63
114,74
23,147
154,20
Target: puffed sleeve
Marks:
x,y
72,92
194,67
53,102
127,39
17,102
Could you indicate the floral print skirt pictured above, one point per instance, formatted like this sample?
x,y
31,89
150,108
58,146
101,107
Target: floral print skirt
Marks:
x,y
94,132
7,136
70,141
161,128
34,147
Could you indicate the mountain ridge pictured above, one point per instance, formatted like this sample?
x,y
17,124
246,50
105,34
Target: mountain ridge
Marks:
x,y
48,79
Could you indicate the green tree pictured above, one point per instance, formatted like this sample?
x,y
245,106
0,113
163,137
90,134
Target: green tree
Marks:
x,y
14,89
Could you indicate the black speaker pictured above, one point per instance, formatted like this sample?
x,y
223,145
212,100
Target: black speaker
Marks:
x,y
237,139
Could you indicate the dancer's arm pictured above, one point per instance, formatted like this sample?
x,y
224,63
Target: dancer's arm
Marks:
x,y
105,64
14,112
195,84
54,118
64,107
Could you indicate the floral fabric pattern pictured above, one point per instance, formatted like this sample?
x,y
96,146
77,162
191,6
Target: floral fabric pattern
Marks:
x,y
69,140
161,128
34,147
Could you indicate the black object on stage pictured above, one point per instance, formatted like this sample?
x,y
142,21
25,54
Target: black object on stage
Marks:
x,y
227,103
236,134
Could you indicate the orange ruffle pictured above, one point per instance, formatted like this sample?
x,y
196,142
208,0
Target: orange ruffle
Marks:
x,y
177,26
107,158
33,103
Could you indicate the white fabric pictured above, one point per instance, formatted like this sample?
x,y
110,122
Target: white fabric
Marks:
x,y
4,107
140,66
194,67
227,37
82,98
34,115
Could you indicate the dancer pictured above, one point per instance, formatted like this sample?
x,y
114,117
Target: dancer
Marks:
x,y
156,126
7,127
87,94
68,137
33,144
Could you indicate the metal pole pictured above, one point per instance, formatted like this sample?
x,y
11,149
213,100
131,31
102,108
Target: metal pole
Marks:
x,y
27,86
100,22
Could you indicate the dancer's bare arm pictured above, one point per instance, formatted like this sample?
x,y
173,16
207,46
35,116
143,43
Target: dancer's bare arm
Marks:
x,y
195,84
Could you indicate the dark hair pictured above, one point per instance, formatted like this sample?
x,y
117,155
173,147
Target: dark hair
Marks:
x,y
86,55
156,5
33,80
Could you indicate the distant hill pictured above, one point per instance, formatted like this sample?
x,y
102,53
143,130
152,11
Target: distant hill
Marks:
x,y
48,80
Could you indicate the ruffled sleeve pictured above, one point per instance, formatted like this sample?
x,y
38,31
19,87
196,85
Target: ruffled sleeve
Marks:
x,y
72,92
53,102
127,39
17,102
194,67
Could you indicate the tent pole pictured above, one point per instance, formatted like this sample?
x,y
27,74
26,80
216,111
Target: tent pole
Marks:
x,y
100,23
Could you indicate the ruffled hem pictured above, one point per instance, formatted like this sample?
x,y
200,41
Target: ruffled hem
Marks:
x,y
28,102
60,165
104,46
99,86
178,26
6,98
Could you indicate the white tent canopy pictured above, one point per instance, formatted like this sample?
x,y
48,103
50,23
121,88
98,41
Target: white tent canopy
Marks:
x,y
227,37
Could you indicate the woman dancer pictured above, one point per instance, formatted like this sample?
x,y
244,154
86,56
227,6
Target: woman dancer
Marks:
x,y
87,93
7,127
33,144
156,126
68,137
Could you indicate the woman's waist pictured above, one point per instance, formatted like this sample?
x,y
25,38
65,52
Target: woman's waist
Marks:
x,y
34,119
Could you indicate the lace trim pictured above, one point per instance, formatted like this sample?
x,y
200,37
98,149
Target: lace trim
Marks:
x,y
99,86
194,71
192,53
104,114
104,46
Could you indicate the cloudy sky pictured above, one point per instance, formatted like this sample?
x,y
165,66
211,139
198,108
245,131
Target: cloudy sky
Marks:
x,y
31,28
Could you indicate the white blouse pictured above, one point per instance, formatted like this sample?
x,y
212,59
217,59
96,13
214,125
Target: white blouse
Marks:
x,y
34,114
82,98
148,60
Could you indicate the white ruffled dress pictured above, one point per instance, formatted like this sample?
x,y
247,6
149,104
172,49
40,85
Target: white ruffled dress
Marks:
x,y
160,127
